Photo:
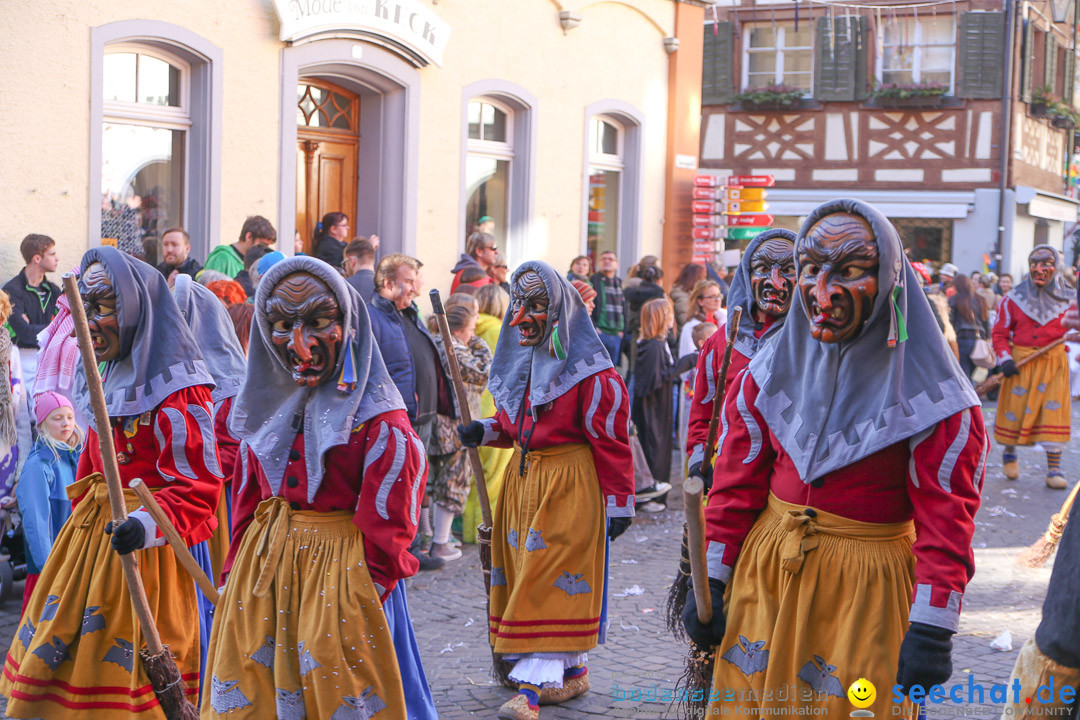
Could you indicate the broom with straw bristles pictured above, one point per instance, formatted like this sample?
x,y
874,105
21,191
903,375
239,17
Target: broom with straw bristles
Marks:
x,y
157,660
693,686
1037,555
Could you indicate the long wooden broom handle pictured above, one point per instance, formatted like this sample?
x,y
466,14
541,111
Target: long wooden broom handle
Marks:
x,y
994,380
718,400
462,403
110,466
694,487
180,548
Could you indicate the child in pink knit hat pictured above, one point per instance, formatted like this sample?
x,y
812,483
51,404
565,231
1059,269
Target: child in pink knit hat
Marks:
x,y
42,488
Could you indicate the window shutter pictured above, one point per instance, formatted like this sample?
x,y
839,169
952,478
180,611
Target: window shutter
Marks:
x,y
979,57
717,71
862,60
1050,66
1070,77
838,59
1028,56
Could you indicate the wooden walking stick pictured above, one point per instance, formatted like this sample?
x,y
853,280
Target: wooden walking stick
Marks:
x,y
180,548
156,658
500,668
694,487
994,380
1037,555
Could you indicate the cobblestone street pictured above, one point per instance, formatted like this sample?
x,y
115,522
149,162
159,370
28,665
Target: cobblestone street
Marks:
x,y
448,607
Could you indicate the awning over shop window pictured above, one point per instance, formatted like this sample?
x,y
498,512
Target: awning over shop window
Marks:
x,y
894,204
1046,205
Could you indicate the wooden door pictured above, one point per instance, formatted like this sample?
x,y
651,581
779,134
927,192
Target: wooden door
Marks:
x,y
326,154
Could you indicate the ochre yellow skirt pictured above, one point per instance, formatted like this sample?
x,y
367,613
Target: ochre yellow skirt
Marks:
x,y
75,654
814,605
300,630
218,545
547,554
1034,405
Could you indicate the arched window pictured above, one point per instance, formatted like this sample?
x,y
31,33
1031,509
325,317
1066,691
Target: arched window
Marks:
x,y
606,166
155,148
146,119
613,188
488,167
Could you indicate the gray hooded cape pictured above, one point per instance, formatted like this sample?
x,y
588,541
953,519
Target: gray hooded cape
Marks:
x,y
742,295
516,368
158,354
214,332
1043,304
832,404
271,407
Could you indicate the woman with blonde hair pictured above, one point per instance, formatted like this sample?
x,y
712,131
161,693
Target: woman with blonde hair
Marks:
x,y
655,374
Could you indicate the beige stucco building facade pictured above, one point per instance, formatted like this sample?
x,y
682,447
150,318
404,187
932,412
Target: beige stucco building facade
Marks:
x,y
191,106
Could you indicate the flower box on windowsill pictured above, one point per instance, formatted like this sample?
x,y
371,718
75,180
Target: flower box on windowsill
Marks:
x,y
915,101
1039,109
1063,123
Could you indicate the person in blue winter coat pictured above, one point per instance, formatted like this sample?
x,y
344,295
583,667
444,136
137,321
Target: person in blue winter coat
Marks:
x,y
42,488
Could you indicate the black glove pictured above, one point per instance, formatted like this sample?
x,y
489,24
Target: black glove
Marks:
x,y
617,526
128,536
471,435
1008,368
704,472
925,657
711,635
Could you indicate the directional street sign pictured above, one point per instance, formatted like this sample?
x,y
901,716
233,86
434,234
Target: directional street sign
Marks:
x,y
744,233
744,193
713,181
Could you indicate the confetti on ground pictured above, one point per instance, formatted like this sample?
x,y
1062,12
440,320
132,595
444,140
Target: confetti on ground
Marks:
x,y
648,610
635,590
629,561
641,538
1003,642
471,621
1000,510
624,626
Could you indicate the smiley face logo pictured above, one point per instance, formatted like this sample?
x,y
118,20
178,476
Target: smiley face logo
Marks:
x,y
862,693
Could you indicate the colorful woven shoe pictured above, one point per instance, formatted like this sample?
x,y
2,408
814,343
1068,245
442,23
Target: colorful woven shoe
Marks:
x,y
1056,481
518,708
1011,469
571,688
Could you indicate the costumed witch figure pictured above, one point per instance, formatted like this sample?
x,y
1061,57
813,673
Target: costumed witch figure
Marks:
x,y
840,519
313,620
215,334
763,286
1034,404
568,489
75,654
1052,657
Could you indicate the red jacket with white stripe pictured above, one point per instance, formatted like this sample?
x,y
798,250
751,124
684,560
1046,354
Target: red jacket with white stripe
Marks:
x,y
595,411
172,448
933,478
1014,327
708,375
380,475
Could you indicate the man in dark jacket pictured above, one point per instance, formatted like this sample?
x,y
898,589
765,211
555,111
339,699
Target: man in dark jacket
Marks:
x,y
176,254
480,252
33,301
359,265
609,314
410,355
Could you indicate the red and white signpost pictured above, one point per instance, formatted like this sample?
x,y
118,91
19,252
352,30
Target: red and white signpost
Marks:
x,y
727,207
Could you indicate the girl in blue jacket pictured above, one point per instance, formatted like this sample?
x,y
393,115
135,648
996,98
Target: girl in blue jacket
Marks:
x,y
42,488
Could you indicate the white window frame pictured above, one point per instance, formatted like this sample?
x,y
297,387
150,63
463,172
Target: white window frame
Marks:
x,y
136,113
779,50
605,162
918,45
493,148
